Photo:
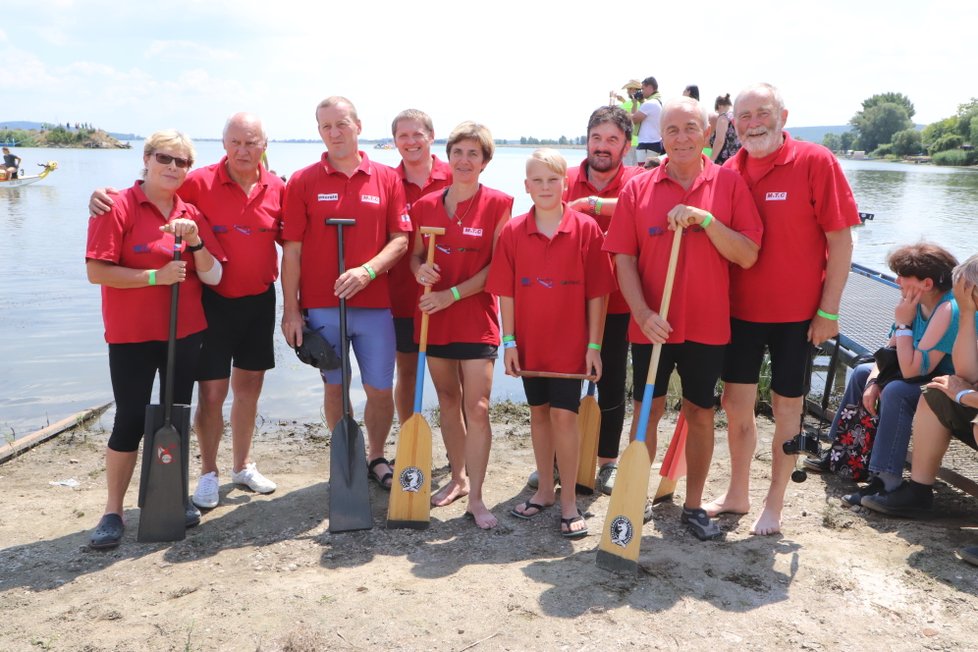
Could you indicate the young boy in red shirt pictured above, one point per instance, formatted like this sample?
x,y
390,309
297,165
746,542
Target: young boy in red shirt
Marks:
x,y
552,280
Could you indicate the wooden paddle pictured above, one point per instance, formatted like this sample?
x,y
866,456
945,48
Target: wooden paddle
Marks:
x,y
164,482
410,502
673,463
589,423
349,493
622,532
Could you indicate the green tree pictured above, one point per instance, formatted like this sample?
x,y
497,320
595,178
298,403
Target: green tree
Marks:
x,y
935,130
562,140
967,112
907,142
832,141
877,124
847,141
945,143
890,98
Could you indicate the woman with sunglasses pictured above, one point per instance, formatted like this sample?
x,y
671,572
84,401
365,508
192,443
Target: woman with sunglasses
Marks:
x,y
463,331
130,254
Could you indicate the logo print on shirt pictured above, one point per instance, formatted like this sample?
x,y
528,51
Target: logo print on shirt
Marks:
x,y
329,196
405,218
656,230
472,231
371,199
776,196
546,282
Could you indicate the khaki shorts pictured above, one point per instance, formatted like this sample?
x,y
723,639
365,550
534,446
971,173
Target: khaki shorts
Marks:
x,y
959,419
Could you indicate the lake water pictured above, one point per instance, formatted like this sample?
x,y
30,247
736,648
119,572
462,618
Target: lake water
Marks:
x,y
53,358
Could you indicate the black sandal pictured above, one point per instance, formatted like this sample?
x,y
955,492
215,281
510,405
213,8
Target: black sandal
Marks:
x,y
573,534
384,481
108,533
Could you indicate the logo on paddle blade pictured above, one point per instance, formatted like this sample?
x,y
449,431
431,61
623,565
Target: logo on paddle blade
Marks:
x,y
621,531
411,479
164,455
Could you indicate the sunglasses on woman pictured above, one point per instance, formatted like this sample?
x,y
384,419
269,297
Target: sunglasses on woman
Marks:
x,y
166,159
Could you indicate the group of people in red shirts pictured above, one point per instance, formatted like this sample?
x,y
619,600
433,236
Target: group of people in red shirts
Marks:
x,y
763,261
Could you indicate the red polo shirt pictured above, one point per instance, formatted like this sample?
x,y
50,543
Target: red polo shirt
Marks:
x,y
578,186
373,196
801,194
551,280
129,236
403,286
461,253
246,226
700,308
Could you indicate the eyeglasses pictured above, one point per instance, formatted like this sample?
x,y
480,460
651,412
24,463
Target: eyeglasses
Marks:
x,y
166,159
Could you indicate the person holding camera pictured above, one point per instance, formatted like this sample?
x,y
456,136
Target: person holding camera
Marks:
x,y
646,115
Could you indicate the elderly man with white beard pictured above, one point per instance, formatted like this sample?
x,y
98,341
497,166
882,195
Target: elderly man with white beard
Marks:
x,y
789,300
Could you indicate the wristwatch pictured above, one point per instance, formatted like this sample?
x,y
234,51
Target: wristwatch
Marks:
x,y
197,247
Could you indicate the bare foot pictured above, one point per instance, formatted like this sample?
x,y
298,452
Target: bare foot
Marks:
x,y
724,505
450,493
478,511
535,504
768,523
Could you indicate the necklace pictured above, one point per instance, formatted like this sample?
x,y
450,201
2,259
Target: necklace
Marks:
x,y
455,217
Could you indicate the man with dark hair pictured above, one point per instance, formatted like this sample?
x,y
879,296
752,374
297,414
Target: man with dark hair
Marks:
x,y
789,300
11,163
646,117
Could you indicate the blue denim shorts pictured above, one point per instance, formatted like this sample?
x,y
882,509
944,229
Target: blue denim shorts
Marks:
x,y
370,331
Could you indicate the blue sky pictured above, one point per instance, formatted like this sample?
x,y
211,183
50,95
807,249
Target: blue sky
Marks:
x,y
522,68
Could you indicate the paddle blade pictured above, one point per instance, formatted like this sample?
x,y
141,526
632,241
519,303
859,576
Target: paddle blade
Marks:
x,y
349,493
622,532
163,483
589,423
673,463
410,501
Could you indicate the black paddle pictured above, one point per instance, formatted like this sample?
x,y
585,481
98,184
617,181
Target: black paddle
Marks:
x,y
163,485
349,493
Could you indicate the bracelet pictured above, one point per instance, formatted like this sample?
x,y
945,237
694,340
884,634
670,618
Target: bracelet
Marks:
x,y
903,332
597,206
152,277
706,221
827,315
509,345
592,345
592,201
197,247
962,394
455,293
872,381
370,271
509,338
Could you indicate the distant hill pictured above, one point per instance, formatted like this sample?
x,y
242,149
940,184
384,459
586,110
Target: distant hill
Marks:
x,y
816,134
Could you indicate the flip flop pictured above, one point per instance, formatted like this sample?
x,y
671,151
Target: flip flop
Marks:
x,y
573,534
528,505
383,480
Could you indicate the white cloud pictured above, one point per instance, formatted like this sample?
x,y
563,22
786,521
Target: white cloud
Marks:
x,y
188,51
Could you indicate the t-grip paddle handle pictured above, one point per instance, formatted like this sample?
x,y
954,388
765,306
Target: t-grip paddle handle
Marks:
x,y
339,223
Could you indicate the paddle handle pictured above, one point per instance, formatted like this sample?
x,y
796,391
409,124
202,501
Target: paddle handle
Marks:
x,y
643,421
433,232
344,353
171,343
526,373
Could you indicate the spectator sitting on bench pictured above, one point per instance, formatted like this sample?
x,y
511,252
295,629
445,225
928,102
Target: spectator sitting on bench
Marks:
x,y
925,325
948,408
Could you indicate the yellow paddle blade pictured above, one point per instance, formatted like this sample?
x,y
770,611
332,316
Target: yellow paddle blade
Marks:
x,y
589,423
621,535
410,501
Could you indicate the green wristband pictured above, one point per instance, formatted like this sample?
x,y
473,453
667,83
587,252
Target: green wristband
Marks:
x,y
827,315
455,293
597,206
592,345
509,338
152,277
370,271
706,221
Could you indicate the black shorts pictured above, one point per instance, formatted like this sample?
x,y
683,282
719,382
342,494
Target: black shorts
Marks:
x,y
404,333
652,147
959,419
239,330
790,353
463,351
698,364
563,393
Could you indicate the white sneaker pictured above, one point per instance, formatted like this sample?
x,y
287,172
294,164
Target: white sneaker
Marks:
x,y
207,494
251,478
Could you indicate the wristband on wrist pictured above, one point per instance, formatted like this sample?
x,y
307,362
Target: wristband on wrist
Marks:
x,y
872,381
706,221
597,206
455,293
592,345
903,332
509,345
370,271
827,315
509,338
962,394
197,247
152,277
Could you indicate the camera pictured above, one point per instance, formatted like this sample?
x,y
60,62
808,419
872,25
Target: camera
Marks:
x,y
638,95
